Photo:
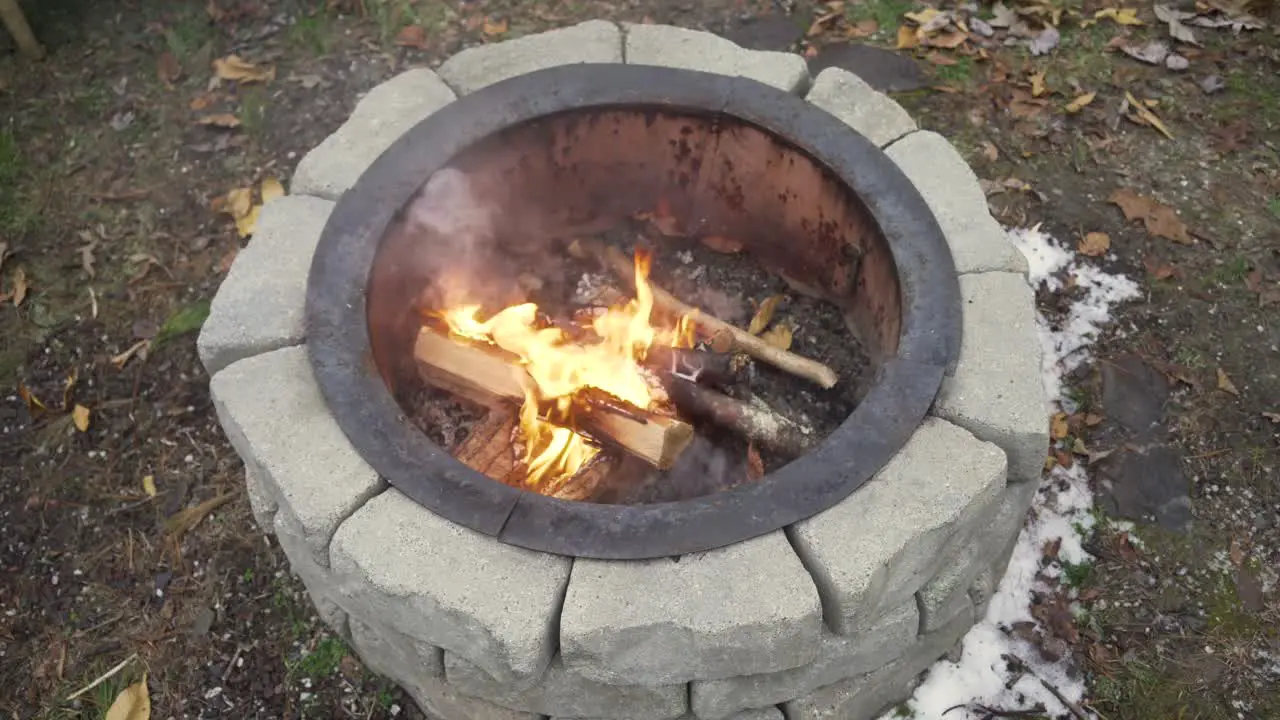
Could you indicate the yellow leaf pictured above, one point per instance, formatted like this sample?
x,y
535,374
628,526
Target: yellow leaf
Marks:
x,y
247,224
149,485
239,202
779,336
1037,84
907,38
1058,426
271,189
232,67
494,27
80,416
1122,16
1094,244
222,120
1149,117
33,403
1078,104
20,286
764,314
133,703
923,17
1225,384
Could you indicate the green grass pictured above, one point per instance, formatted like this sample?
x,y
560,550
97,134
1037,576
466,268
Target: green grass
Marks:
x,y
187,319
1076,575
310,32
322,661
18,211
887,13
253,109
188,34
1231,272
958,73
1273,205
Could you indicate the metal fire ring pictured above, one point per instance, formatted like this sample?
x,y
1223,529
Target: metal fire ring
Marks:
x,y
906,384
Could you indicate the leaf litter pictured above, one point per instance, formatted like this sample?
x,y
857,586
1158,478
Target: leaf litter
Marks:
x,y
1160,220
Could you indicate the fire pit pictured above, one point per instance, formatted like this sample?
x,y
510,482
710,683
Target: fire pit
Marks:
x,y
614,390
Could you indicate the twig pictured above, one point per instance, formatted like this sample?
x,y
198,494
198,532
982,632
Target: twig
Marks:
x,y
103,678
231,665
1074,708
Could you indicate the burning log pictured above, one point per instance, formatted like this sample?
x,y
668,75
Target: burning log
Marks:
x,y
488,378
489,448
617,262
753,421
722,370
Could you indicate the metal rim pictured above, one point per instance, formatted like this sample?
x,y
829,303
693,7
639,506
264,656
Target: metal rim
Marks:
x,y
339,345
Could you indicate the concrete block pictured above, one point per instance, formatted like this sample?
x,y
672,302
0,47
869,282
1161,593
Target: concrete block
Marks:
x,y
951,190
594,41
391,653
565,693
996,392
452,587
261,501
772,713
275,417
869,696
840,657
860,106
314,577
933,488
261,303
739,610
676,47
383,115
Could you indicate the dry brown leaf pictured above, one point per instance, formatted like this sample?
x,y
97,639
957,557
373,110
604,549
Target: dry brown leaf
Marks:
x,y
990,151
414,36
1080,102
493,27
271,190
20,286
33,403
230,257
1273,417
167,68
721,243
124,357
1236,552
1092,420
907,38
238,202
1225,384
201,102
950,40
1147,116
149,485
822,21
68,385
80,416
1059,428
938,58
232,67
222,120
779,336
1158,271
4,253
133,703
764,314
1160,220
1094,244
721,341
1037,84
863,28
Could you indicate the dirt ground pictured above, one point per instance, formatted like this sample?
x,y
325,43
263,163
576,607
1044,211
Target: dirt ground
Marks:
x,y
131,539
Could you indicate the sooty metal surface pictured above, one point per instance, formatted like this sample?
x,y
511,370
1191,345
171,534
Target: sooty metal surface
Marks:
x,y
901,293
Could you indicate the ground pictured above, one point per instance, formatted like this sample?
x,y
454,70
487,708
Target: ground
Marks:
x,y
127,535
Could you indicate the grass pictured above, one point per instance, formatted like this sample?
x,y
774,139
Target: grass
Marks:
x,y
253,109
188,34
1231,272
1273,206
958,73
1076,575
887,13
310,32
322,661
187,319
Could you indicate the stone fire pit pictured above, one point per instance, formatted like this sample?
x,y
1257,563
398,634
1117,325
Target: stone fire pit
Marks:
x,y
825,606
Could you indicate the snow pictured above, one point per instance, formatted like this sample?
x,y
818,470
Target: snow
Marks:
x,y
1061,512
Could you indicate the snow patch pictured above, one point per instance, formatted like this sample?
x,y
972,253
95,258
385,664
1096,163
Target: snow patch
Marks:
x,y
1061,512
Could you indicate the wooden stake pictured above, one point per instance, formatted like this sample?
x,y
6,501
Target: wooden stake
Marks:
x,y
16,22
617,261
490,379
756,422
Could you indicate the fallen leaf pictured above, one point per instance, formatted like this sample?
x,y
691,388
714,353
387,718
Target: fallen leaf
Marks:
x,y
133,703
138,347
863,28
990,151
1160,220
167,68
1092,419
80,416
1051,549
86,253
907,38
949,41
238,202
1058,426
764,314
201,102
1121,16
247,224
1273,417
822,21
494,27
1147,115
1045,41
227,260
1225,384
721,341
271,190
1094,244
1002,16
1158,271
414,36
187,518
68,385
33,403
721,243
1079,448
1236,553
938,58
149,485
662,220
20,286
1173,18
779,336
1080,102
1037,84
232,67
222,120
925,16
1152,53
4,253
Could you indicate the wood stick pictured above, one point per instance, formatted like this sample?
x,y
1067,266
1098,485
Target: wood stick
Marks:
x,y
16,22
617,261
488,378
753,421
489,448
704,367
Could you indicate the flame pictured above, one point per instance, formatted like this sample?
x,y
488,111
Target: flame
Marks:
x,y
556,368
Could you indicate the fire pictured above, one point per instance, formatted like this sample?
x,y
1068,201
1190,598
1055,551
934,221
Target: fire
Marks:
x,y
556,367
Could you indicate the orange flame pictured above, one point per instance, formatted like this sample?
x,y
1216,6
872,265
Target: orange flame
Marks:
x,y
556,368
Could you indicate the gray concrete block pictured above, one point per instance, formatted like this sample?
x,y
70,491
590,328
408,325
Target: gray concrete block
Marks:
x,y
449,586
261,501
772,713
868,696
860,106
996,392
394,654
933,488
261,302
739,610
314,577
562,692
840,657
278,422
383,115
676,47
594,41
951,190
